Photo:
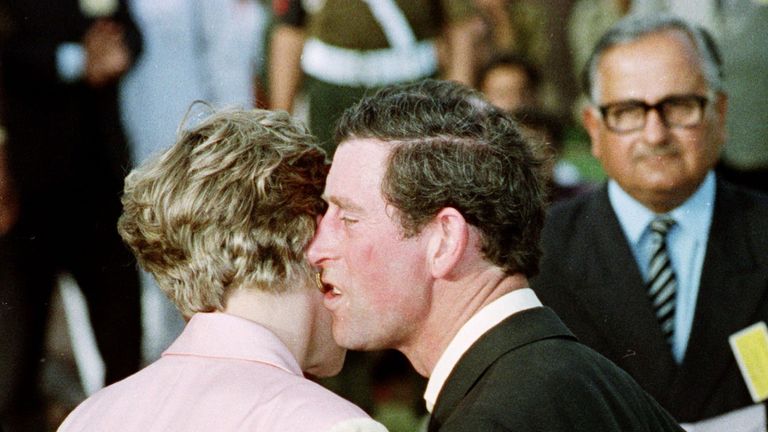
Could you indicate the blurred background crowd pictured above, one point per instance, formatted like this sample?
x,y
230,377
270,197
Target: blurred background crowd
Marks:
x,y
90,88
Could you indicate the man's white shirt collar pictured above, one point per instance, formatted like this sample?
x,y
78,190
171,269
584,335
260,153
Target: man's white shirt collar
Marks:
x,y
485,319
686,243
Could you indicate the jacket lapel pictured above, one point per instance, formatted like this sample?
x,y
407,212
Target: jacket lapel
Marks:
x,y
613,294
723,305
519,329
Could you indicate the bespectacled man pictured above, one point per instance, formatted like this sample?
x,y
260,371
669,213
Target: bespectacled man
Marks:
x,y
658,268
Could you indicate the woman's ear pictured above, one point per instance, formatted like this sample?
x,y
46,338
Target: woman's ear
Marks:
x,y
448,242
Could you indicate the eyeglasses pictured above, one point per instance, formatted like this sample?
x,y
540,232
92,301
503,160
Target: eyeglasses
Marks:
x,y
674,111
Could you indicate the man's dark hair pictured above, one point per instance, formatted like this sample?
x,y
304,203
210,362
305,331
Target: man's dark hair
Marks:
x,y
451,148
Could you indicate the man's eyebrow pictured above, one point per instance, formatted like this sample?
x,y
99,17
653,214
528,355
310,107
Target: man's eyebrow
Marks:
x,y
342,203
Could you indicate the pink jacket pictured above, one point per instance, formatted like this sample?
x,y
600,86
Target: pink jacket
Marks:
x,y
223,373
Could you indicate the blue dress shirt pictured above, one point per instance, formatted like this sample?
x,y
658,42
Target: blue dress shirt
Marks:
x,y
686,243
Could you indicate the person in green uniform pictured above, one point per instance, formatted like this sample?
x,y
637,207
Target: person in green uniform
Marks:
x,y
346,48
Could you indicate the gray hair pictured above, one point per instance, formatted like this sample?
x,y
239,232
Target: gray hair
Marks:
x,y
635,27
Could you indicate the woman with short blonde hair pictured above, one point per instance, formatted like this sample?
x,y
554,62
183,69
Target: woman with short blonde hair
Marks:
x,y
222,220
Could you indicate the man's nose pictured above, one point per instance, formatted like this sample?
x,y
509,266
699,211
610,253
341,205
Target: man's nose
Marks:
x,y
655,130
317,251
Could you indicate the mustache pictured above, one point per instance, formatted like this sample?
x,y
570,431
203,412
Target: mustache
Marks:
x,y
657,151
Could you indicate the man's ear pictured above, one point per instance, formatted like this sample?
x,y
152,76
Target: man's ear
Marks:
x,y
721,111
448,240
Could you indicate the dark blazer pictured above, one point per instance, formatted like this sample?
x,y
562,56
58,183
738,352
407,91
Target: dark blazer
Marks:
x,y
530,374
590,278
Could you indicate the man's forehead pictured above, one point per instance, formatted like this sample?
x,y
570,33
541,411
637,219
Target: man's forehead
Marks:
x,y
356,171
343,202
359,158
655,66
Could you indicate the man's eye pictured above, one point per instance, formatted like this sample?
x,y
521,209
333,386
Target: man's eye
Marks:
x,y
348,221
627,110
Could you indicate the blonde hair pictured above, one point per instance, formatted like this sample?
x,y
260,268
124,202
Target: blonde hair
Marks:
x,y
233,203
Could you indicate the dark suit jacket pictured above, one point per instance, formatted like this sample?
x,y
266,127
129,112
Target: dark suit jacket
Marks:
x,y
590,278
530,374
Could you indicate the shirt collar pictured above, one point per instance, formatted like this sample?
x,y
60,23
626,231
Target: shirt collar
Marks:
x,y
694,215
485,319
221,335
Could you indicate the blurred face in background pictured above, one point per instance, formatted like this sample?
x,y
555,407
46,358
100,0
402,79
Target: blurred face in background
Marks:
x,y
508,87
658,163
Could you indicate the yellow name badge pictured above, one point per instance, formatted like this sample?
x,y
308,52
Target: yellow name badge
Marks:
x,y
750,347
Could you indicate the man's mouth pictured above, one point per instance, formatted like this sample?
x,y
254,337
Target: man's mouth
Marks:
x,y
330,294
325,288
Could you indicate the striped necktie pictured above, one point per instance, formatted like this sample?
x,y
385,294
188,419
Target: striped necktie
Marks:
x,y
662,283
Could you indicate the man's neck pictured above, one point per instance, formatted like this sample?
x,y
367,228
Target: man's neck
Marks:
x,y
483,322
456,301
